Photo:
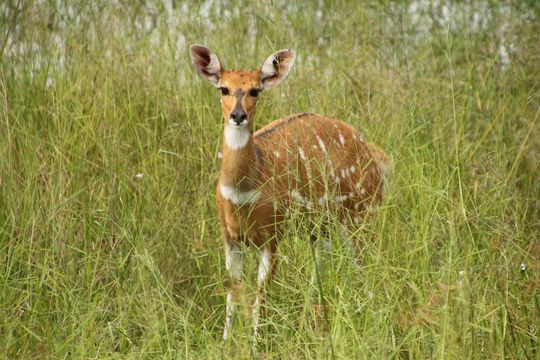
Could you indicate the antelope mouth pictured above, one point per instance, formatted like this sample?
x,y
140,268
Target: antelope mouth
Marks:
x,y
243,123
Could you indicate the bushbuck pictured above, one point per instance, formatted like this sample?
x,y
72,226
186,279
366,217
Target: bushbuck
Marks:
x,y
306,160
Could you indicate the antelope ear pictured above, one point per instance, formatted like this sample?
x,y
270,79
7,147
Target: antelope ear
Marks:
x,y
276,67
206,63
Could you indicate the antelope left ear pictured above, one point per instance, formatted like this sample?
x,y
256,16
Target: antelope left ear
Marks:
x,y
276,68
206,63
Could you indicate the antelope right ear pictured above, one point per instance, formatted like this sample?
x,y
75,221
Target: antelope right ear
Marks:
x,y
276,67
206,63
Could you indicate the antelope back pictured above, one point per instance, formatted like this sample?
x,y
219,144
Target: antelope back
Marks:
x,y
317,161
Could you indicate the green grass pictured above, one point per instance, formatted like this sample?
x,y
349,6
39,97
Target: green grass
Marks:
x,y
96,263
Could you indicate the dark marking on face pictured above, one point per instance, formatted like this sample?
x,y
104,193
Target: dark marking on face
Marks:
x,y
239,95
285,122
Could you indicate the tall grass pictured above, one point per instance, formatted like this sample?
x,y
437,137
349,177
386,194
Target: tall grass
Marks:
x,y
110,244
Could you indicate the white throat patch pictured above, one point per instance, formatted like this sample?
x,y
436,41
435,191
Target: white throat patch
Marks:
x,y
236,137
238,197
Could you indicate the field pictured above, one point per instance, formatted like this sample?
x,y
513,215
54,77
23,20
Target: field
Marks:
x,y
109,238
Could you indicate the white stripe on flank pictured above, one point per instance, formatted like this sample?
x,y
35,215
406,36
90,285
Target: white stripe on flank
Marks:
x,y
238,197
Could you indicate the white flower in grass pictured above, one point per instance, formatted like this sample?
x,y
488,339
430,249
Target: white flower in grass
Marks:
x,y
460,277
522,266
139,176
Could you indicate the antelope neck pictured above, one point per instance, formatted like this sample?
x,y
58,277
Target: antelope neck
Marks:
x,y
242,160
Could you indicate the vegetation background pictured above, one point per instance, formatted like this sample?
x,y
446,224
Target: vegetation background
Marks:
x,y
110,244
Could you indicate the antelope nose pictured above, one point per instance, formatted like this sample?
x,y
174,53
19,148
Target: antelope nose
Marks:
x,y
238,117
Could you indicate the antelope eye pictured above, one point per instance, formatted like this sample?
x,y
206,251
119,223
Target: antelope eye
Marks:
x,y
254,92
224,91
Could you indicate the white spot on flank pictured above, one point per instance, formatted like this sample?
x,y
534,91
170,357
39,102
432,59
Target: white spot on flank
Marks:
x,y
236,137
239,197
300,199
332,173
302,153
306,163
360,137
341,198
321,144
331,169
296,195
341,139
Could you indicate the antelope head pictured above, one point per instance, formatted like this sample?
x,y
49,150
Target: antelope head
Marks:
x,y
240,88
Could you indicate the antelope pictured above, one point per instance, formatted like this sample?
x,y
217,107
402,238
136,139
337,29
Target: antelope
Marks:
x,y
309,160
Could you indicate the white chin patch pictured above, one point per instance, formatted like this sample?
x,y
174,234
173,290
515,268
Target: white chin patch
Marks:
x,y
236,136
